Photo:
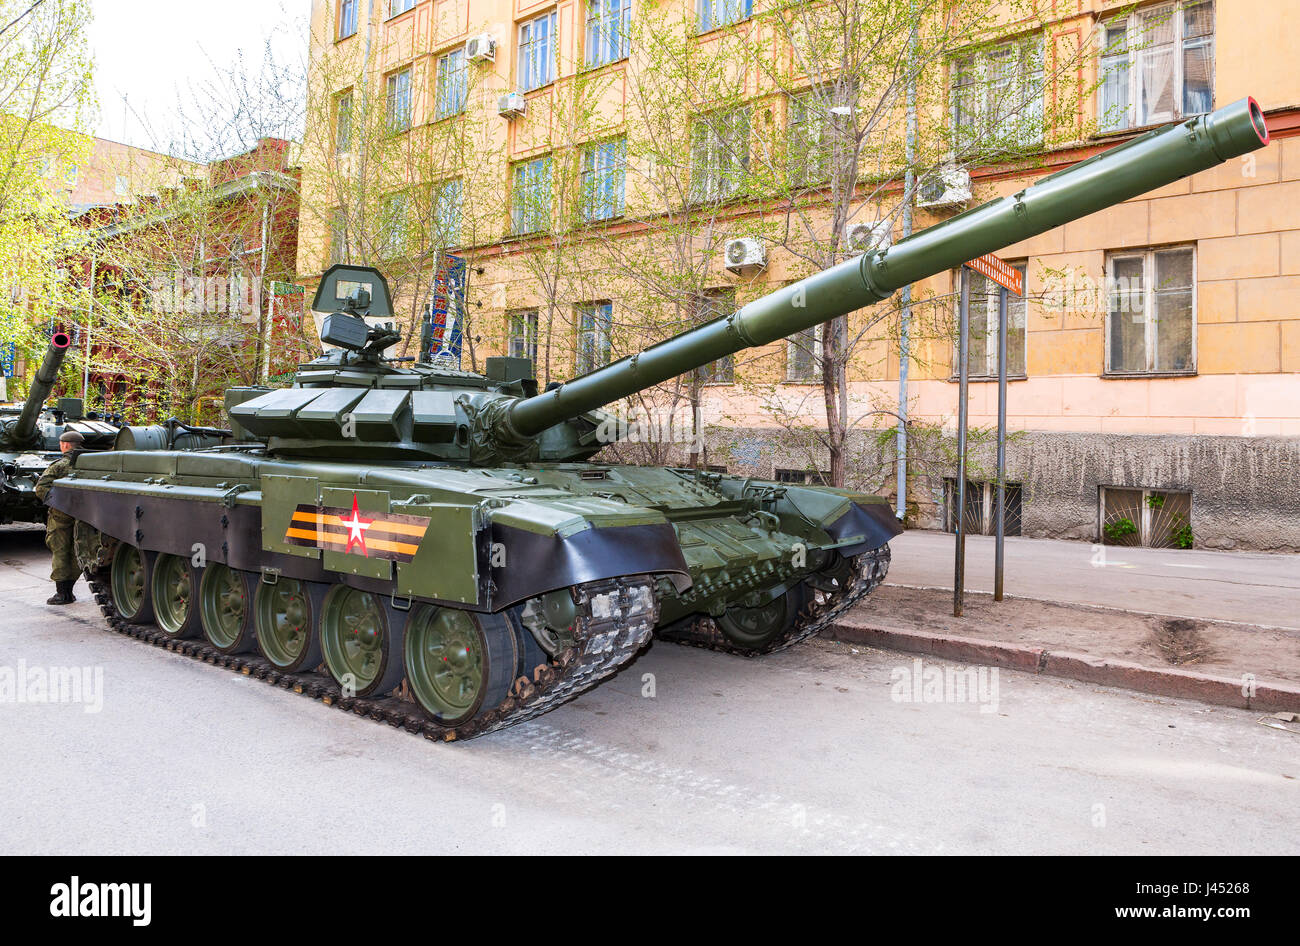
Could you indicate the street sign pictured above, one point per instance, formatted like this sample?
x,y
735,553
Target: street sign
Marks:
x,y
1000,271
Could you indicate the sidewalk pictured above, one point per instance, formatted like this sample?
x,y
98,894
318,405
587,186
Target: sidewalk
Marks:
x,y
1221,627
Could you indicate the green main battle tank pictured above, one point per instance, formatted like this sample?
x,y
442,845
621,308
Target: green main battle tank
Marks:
x,y
434,548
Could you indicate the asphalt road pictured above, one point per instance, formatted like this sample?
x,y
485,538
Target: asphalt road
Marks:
x,y
1253,588
807,751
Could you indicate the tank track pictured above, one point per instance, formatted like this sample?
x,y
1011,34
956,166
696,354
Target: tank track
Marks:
x,y
823,607
603,644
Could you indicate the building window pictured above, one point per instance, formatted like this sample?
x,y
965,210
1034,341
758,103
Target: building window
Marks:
x,y
983,351
803,356
399,101
707,306
537,52
530,198
981,507
815,477
121,187
447,209
70,174
452,88
594,322
1149,517
343,122
1152,311
393,225
399,6
347,18
719,154
604,172
809,141
523,334
716,13
339,236
607,31
998,96
1157,65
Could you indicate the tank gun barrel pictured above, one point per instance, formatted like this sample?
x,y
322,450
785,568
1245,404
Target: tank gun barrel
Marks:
x,y
24,428
1141,165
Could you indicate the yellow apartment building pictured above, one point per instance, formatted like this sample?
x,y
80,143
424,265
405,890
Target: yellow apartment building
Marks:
x,y
1154,363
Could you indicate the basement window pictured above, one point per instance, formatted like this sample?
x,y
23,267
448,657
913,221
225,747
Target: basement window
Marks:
x,y
981,507
804,477
1151,518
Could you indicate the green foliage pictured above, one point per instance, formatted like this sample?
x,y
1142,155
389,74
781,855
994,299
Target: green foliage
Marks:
x,y
1119,530
1181,534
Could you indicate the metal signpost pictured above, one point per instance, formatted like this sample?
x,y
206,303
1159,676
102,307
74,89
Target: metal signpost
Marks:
x,y
1008,279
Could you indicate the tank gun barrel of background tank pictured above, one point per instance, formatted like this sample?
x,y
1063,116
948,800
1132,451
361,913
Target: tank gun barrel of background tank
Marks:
x,y
24,428
1141,165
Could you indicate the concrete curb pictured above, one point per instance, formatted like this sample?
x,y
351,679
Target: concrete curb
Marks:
x,y
1243,693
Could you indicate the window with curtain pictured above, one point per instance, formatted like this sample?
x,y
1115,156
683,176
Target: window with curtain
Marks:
x,y
608,22
603,175
399,101
719,154
530,208
537,52
716,13
1157,65
451,86
1151,317
803,352
997,97
595,319
523,334
347,18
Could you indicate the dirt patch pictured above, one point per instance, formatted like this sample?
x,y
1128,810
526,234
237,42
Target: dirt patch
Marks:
x,y
1212,647
1180,640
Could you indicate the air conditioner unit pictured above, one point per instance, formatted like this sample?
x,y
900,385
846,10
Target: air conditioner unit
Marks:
x,y
947,187
861,237
512,105
481,48
745,253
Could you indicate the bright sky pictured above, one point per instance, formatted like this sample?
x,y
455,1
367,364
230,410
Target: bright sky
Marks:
x,y
151,54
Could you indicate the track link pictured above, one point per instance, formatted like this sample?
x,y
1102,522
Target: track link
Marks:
x,y
869,570
604,642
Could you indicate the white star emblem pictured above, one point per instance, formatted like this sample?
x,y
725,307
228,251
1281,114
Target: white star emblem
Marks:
x,y
356,527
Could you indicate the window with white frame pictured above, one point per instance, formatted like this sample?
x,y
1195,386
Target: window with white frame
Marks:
x,y
347,18
803,356
719,154
998,97
400,6
709,305
451,87
983,337
608,22
530,198
595,319
522,342
1157,65
343,122
537,50
393,224
399,101
603,175
339,236
447,208
716,13
809,136
1152,311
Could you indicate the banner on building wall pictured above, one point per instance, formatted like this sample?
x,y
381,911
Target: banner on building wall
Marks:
x,y
8,353
445,317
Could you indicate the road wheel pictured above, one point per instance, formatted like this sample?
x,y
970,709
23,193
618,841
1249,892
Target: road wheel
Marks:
x,y
175,589
286,624
226,609
458,663
361,646
93,549
129,584
757,628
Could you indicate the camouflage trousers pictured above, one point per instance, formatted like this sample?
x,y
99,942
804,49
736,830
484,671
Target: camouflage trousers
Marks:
x,y
58,539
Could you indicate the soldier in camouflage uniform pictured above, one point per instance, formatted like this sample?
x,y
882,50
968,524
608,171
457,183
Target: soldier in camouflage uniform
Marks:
x,y
58,525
